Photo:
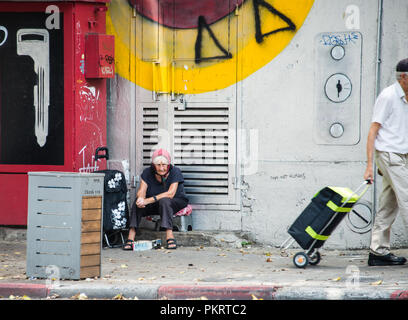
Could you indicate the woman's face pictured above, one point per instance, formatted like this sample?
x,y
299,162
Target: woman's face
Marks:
x,y
161,168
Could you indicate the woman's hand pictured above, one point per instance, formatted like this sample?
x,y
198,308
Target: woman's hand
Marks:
x,y
140,202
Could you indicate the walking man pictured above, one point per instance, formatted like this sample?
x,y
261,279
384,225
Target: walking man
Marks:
x,y
387,143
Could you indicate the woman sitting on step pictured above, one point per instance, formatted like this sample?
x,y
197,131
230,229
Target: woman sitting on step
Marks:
x,y
161,191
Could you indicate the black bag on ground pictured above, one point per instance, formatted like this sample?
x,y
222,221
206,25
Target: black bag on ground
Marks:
x,y
115,206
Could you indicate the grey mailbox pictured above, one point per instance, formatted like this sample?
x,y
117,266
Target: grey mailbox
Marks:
x,y
64,228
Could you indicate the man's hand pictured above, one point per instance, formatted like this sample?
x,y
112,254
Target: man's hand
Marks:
x,y
372,134
369,174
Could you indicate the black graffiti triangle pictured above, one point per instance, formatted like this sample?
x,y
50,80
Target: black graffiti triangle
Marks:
x,y
202,23
259,35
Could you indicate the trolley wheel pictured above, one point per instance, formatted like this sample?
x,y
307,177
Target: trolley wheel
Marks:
x,y
314,258
301,260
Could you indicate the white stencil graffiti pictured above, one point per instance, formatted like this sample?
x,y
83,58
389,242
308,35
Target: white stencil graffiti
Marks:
x,y
88,167
89,97
35,43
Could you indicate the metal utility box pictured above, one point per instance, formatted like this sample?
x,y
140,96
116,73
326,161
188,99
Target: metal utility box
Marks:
x,y
64,230
338,88
99,56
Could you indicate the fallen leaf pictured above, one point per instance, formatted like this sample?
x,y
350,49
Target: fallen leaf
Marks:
x,y
376,283
255,298
124,266
269,260
336,279
119,296
80,296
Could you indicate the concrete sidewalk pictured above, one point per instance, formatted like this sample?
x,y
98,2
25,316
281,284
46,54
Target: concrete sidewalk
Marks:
x,y
210,266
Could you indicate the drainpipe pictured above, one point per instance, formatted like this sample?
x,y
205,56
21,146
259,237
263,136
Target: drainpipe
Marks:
x,y
377,84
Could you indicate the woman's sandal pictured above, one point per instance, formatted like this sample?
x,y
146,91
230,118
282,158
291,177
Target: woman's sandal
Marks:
x,y
128,245
171,244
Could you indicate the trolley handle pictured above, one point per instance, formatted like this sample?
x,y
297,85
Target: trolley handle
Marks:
x,y
101,156
366,182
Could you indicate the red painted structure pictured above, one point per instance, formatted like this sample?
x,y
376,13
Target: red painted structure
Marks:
x,y
99,55
80,128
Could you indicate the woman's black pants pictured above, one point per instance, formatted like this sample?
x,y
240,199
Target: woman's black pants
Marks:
x,y
165,207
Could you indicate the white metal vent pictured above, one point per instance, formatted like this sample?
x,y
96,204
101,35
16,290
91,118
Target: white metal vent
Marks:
x,y
150,132
201,149
201,146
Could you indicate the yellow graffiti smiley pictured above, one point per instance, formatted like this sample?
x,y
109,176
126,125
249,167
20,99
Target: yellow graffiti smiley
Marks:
x,y
159,50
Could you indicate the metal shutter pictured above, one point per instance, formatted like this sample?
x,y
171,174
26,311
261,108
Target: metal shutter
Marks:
x,y
202,146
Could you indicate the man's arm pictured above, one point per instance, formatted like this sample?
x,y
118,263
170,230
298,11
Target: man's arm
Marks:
x,y
372,134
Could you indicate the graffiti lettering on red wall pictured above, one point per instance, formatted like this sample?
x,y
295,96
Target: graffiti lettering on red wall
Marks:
x,y
89,97
108,69
90,116
87,167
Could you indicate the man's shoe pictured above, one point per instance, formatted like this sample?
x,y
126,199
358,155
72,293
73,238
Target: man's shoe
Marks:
x,y
387,260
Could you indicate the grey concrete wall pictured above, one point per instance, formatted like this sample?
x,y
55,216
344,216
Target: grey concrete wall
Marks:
x,y
291,166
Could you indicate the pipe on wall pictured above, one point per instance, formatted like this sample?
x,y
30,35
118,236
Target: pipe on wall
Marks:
x,y
377,83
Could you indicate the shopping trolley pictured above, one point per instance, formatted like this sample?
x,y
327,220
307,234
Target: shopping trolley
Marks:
x,y
319,219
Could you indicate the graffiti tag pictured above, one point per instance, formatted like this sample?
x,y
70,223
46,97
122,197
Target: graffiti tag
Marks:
x,y
339,39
